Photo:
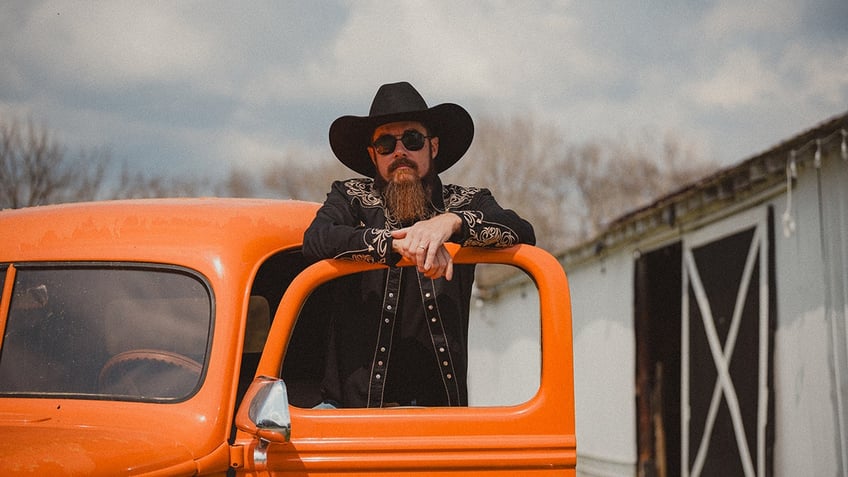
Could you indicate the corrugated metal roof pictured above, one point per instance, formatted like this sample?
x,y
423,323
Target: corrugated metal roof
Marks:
x,y
753,178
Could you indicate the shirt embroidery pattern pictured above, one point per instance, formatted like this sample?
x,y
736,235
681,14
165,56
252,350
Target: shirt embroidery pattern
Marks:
x,y
362,190
486,234
458,196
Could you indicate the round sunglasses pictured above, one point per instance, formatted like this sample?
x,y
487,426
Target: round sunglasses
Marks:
x,y
412,140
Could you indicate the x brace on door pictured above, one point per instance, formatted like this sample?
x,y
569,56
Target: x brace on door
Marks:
x,y
723,355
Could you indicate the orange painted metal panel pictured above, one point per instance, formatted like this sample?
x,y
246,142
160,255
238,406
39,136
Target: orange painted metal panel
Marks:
x,y
535,435
225,241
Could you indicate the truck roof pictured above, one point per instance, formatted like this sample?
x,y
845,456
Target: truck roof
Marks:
x,y
144,228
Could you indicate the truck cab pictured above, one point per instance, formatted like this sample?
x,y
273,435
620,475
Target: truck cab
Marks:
x,y
187,337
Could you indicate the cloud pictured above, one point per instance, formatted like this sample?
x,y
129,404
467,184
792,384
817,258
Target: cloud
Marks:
x,y
768,54
817,75
207,84
729,18
114,44
798,76
455,50
742,79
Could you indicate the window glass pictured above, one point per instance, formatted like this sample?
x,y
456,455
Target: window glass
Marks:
x,y
335,338
124,332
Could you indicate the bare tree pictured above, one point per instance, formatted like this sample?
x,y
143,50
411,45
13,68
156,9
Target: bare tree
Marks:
x,y
294,180
36,170
570,192
143,185
297,175
240,183
516,159
616,177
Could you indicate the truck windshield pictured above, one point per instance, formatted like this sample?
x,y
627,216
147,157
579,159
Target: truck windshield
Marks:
x,y
114,331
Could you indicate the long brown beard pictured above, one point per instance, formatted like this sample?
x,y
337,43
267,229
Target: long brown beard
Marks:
x,y
406,200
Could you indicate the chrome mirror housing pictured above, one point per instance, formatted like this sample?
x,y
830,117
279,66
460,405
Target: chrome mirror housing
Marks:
x,y
264,412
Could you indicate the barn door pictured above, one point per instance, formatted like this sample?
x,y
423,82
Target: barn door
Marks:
x,y
727,308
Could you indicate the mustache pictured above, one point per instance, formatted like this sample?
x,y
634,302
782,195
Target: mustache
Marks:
x,y
402,162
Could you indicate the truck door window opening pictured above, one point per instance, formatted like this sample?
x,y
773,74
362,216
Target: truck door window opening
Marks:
x,y
504,359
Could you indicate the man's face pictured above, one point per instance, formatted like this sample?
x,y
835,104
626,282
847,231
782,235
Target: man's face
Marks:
x,y
403,164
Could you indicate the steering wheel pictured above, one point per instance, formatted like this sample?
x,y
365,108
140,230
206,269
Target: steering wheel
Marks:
x,y
149,373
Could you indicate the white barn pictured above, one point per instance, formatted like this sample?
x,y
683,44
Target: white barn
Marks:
x,y
710,333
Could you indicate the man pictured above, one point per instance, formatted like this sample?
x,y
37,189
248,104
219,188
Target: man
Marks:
x,y
405,341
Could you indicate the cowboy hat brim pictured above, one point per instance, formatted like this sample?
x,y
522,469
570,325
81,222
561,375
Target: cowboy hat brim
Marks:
x,y
350,136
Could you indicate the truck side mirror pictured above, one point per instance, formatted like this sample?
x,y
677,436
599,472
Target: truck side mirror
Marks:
x,y
265,410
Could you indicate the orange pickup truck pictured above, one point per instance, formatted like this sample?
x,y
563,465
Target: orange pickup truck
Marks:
x,y
183,337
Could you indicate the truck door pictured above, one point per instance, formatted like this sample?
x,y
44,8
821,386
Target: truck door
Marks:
x,y
520,415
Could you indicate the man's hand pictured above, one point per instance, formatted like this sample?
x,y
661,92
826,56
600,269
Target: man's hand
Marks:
x,y
423,243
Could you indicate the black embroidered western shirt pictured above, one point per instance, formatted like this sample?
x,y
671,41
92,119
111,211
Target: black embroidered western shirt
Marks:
x,y
400,337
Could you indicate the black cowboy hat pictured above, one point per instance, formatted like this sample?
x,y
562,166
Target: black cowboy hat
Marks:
x,y
350,136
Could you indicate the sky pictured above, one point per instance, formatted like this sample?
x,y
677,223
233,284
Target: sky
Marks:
x,y
196,88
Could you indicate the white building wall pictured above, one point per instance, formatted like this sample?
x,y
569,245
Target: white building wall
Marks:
x,y
806,425
604,365
504,351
